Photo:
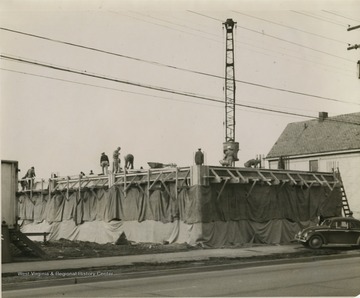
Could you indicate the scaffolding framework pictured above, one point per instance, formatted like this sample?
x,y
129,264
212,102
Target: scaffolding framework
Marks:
x,y
184,177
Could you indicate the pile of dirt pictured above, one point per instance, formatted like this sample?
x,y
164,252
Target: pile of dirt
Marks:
x,y
66,249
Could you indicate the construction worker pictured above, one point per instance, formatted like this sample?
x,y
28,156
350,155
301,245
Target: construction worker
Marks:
x,y
199,157
116,160
228,157
129,161
252,162
30,176
104,163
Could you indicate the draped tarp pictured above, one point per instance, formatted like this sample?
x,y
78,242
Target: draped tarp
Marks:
x,y
228,233
216,215
214,234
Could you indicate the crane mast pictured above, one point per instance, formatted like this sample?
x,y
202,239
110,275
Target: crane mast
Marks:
x,y
229,82
230,89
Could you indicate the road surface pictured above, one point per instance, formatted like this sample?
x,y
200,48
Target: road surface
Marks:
x,y
339,277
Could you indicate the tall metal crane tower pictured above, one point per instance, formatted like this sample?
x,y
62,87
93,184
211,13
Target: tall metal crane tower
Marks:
x,y
230,89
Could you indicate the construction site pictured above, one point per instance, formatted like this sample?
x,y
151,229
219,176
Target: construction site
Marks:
x,y
207,205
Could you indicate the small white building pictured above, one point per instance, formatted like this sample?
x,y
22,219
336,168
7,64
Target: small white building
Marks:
x,y
323,145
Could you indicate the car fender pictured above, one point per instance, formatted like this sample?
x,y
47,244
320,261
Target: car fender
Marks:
x,y
358,241
317,234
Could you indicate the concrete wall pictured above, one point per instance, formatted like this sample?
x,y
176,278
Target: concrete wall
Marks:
x,y
349,166
9,172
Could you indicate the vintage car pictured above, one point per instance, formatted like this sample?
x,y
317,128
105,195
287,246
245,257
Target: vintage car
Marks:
x,y
335,230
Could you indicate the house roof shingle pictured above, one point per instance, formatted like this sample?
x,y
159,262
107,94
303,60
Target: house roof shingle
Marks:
x,y
314,136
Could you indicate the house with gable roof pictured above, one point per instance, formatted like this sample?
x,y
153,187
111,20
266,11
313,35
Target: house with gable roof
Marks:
x,y
323,145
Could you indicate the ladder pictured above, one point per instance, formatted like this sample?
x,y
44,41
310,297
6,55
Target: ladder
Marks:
x,y
345,203
344,200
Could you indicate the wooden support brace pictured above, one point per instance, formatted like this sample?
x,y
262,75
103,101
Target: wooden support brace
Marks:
x,y
234,179
251,188
222,188
176,183
291,179
186,176
217,177
127,185
318,180
156,180
67,188
276,180
166,188
303,181
148,183
263,178
86,183
243,179
327,183
139,186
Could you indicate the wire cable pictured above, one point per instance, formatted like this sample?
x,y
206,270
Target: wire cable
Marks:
x,y
171,66
84,73
339,15
282,39
293,28
318,18
102,87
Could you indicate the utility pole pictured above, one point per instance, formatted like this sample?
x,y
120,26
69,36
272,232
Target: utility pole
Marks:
x,y
230,89
355,47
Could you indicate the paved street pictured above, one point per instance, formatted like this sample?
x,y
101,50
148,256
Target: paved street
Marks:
x,y
339,277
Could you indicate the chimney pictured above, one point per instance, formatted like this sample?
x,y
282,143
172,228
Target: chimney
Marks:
x,y
322,116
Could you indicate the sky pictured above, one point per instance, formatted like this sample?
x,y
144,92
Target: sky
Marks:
x,y
148,76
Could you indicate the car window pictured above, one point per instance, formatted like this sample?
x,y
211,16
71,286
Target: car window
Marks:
x,y
326,222
354,225
341,224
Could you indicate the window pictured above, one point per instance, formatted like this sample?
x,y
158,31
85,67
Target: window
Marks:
x,y
313,166
341,225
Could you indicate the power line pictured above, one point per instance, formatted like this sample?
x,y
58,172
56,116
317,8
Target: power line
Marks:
x,y
179,25
160,89
293,28
131,92
241,42
283,40
237,41
339,15
102,87
318,18
170,66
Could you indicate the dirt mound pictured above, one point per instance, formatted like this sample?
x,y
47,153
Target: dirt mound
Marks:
x,y
66,249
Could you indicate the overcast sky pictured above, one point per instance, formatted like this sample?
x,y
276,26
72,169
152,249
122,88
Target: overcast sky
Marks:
x,y
61,121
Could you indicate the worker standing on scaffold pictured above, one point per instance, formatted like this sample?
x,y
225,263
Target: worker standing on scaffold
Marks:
x,y
116,160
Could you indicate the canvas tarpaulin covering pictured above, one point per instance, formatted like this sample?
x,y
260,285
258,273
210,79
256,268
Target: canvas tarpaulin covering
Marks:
x,y
238,214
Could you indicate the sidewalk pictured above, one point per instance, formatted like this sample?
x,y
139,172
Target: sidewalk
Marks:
x,y
193,255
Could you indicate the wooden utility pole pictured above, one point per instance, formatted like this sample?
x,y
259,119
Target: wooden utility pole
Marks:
x,y
355,47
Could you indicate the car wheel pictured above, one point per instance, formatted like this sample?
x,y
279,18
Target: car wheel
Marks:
x,y
315,241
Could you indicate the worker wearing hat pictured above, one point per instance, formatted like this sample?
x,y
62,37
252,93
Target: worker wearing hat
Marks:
x,y
104,163
116,160
199,157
